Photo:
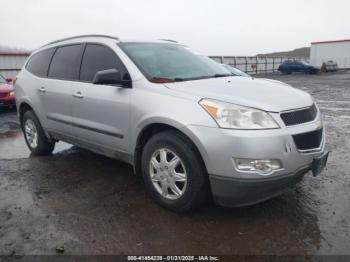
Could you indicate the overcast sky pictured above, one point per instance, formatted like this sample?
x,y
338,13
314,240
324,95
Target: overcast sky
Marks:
x,y
221,27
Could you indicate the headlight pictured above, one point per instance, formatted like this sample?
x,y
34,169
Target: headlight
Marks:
x,y
234,116
12,93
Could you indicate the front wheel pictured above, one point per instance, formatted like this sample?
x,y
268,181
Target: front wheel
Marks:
x,y
173,172
36,140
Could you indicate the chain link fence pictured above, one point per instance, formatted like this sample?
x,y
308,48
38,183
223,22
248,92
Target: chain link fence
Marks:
x,y
255,64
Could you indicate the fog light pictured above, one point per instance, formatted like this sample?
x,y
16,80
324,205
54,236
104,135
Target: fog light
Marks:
x,y
262,166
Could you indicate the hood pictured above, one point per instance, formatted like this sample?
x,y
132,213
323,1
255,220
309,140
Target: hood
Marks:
x,y
258,93
5,88
275,81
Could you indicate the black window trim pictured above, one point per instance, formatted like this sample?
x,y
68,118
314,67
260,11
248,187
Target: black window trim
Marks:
x,y
82,52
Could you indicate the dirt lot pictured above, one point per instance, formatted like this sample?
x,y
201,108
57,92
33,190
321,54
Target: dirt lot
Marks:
x,y
89,204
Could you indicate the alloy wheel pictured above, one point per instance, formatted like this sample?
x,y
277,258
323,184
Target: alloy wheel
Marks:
x,y
168,173
31,133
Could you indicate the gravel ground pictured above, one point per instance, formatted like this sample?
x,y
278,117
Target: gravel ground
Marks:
x,y
84,203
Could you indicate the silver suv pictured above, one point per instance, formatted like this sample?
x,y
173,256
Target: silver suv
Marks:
x,y
188,126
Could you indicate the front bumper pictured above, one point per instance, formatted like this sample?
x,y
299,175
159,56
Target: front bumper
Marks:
x,y
233,187
242,192
219,147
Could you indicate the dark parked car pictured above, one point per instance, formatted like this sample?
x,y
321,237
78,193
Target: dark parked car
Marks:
x,y
290,66
7,94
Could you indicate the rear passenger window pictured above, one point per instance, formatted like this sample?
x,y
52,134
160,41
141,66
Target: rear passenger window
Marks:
x,y
97,58
39,62
65,63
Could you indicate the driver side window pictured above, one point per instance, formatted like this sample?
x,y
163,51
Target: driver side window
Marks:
x,y
97,58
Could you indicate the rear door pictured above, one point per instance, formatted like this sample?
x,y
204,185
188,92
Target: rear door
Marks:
x,y
38,66
101,113
58,89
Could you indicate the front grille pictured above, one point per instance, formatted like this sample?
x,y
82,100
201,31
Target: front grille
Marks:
x,y
299,116
310,140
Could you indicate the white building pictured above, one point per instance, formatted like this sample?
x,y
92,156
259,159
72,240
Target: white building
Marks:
x,y
338,51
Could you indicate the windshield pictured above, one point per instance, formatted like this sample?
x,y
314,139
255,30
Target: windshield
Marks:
x,y
2,80
162,62
235,71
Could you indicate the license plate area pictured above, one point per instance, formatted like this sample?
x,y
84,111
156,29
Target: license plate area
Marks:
x,y
319,163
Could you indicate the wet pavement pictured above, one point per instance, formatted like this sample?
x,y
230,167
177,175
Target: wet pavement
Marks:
x,y
90,204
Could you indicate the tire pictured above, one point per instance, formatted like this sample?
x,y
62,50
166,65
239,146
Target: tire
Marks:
x,y
43,145
196,188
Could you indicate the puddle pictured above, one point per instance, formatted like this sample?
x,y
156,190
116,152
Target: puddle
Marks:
x,y
13,146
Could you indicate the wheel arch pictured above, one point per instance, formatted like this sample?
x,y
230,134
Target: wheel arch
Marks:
x,y
152,129
23,108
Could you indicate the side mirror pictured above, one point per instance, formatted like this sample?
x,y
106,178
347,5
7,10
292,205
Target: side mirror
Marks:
x,y
9,80
110,77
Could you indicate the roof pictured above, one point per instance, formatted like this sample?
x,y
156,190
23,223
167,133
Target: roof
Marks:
x,y
331,41
102,36
81,36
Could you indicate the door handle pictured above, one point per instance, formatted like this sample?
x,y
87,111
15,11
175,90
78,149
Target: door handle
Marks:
x,y
42,89
78,95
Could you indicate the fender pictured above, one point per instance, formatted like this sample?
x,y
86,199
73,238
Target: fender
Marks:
x,y
149,120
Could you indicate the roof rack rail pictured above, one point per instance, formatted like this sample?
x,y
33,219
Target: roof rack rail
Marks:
x,y
80,36
169,40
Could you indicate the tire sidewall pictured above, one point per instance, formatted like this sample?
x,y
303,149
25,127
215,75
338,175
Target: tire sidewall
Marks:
x,y
193,168
44,146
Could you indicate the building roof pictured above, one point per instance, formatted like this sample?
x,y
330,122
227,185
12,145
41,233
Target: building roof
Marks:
x,y
331,41
15,53
10,51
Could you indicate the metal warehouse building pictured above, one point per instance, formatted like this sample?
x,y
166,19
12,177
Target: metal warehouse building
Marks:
x,y
338,51
11,61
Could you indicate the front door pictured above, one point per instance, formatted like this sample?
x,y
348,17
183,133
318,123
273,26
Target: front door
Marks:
x,y
101,113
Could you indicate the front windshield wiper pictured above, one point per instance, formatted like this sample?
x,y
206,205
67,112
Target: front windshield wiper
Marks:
x,y
210,76
179,79
157,79
222,75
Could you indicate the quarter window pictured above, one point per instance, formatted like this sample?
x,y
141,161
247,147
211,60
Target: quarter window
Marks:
x,y
97,58
65,63
39,62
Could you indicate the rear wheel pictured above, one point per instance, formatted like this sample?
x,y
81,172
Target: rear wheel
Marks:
x,y
37,141
173,172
